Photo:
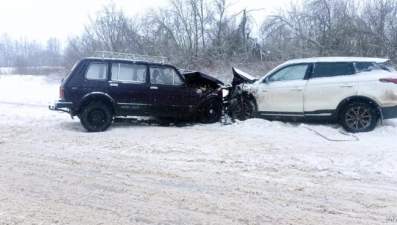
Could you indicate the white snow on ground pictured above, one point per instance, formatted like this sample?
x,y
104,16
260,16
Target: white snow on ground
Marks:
x,y
252,172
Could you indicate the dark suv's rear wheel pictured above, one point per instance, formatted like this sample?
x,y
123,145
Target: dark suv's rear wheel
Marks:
x,y
358,117
211,111
96,117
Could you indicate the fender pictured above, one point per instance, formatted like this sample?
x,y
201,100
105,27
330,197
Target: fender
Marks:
x,y
209,96
212,95
348,100
95,96
240,93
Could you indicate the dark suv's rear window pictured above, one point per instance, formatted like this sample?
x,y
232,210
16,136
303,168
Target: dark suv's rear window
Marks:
x,y
332,69
97,71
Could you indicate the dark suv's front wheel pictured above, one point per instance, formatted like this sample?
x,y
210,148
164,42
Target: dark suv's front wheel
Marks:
x,y
358,117
211,111
96,117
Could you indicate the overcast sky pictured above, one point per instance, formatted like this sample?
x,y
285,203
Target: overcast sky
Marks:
x,y
42,19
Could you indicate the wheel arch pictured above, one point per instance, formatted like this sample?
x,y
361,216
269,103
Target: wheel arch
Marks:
x,y
204,101
251,97
352,99
207,98
98,96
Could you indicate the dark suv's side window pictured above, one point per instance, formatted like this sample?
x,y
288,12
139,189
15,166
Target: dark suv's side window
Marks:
x,y
332,69
97,71
128,72
164,75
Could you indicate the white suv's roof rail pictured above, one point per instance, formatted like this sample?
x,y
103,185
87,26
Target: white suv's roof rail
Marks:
x,y
131,56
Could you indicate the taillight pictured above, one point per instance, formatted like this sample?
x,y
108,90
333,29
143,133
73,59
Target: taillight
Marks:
x,y
62,93
388,80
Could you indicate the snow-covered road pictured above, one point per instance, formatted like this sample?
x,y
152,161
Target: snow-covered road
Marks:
x,y
252,172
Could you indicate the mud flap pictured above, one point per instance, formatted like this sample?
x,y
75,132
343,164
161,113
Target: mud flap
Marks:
x,y
380,115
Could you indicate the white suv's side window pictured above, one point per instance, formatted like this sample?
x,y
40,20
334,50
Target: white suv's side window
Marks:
x,y
332,69
294,72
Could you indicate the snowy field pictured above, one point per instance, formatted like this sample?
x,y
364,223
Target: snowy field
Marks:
x,y
254,172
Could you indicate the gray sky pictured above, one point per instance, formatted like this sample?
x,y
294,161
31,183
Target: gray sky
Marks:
x,y
42,19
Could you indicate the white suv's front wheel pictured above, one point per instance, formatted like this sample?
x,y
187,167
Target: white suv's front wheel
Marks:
x,y
244,109
358,117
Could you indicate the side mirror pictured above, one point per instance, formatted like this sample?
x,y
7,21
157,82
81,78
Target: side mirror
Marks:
x,y
266,80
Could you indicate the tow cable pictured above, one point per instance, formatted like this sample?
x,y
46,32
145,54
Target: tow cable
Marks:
x,y
334,140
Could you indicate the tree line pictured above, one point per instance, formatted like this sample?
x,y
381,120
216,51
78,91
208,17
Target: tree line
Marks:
x,y
332,28
26,55
205,34
191,33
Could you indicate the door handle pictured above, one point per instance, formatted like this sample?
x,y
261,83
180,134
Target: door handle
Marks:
x,y
113,84
154,87
346,85
296,89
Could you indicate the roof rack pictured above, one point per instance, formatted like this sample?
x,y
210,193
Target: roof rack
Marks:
x,y
120,55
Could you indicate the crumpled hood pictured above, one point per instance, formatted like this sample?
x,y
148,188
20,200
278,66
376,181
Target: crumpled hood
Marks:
x,y
202,79
240,77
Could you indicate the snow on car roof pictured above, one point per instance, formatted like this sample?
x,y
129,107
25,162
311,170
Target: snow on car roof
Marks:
x,y
325,59
337,59
128,60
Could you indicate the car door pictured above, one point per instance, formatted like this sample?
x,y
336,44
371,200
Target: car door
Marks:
x,y
169,95
128,86
281,93
327,86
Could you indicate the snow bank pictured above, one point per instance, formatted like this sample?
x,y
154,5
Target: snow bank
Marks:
x,y
27,89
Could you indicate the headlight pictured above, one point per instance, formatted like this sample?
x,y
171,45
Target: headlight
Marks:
x,y
225,92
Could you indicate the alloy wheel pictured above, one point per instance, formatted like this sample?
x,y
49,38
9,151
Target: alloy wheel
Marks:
x,y
243,110
358,118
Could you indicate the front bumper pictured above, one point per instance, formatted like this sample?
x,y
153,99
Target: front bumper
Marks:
x,y
61,106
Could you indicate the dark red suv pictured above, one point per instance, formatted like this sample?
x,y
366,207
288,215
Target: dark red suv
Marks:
x,y
99,89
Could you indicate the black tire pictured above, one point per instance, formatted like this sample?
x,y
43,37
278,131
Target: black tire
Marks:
x,y
211,111
96,117
358,117
243,109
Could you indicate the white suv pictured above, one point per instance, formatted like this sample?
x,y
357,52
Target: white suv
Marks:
x,y
354,91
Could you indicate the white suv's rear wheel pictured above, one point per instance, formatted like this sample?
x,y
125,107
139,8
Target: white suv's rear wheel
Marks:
x,y
358,117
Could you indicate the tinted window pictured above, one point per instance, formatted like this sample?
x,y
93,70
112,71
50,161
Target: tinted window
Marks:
x,y
164,75
295,72
97,71
369,66
332,69
129,72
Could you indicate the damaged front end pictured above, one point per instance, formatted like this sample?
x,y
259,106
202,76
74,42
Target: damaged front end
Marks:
x,y
240,102
201,80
